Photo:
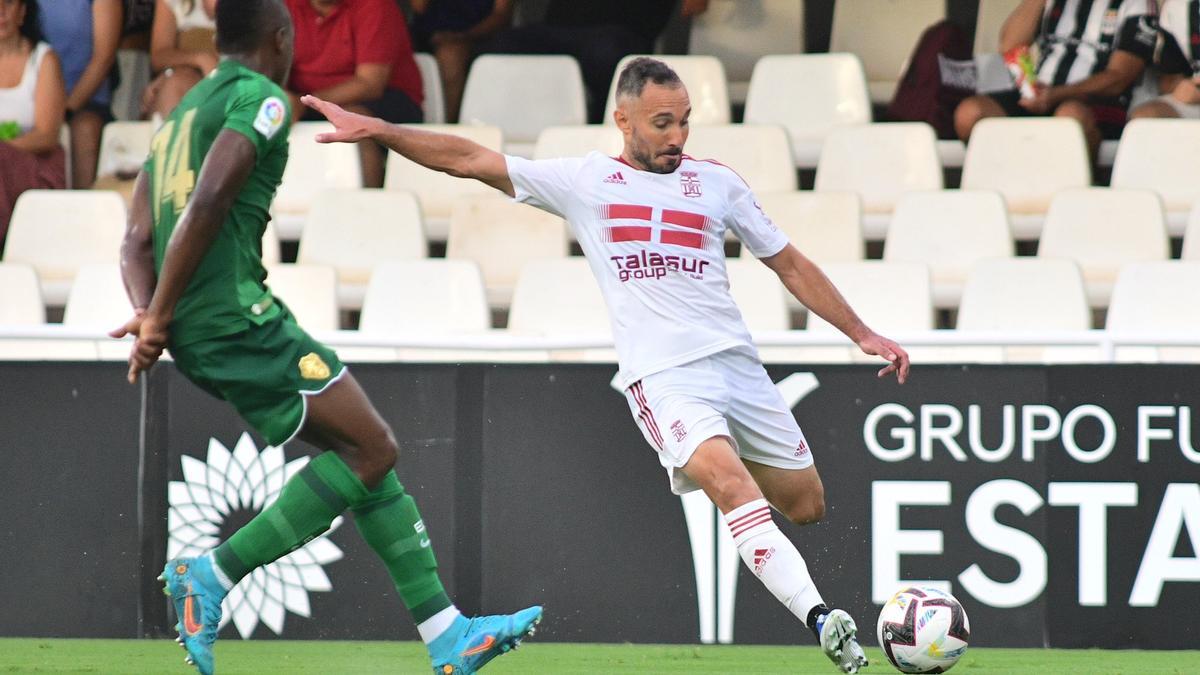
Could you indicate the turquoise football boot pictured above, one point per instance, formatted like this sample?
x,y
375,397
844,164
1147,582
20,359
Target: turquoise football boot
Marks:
x,y
196,594
468,645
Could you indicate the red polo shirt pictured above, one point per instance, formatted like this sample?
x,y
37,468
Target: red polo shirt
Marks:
x,y
329,48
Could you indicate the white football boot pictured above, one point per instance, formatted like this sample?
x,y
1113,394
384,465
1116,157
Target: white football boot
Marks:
x,y
839,643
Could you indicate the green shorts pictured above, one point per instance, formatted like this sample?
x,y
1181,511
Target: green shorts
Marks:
x,y
265,372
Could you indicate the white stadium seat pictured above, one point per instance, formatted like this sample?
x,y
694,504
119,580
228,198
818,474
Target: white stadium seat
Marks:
x,y
883,33
810,95
759,154
309,291
434,105
577,141
58,231
880,162
522,95
1191,236
437,192
124,147
1161,155
988,22
312,167
1028,160
825,226
704,77
948,230
1103,229
354,230
741,33
1026,295
560,297
502,236
759,294
98,302
272,252
1157,296
21,302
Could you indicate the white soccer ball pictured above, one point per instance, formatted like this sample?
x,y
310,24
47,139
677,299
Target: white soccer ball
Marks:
x,y
923,630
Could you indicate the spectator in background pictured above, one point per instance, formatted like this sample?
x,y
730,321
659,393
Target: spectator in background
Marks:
x,y
139,16
181,52
357,54
85,35
450,29
32,106
1089,60
597,33
1178,63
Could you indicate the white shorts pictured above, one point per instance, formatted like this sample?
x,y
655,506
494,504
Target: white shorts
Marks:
x,y
724,394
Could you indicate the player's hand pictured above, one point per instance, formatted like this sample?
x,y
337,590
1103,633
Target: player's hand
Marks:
x,y
150,339
349,127
897,358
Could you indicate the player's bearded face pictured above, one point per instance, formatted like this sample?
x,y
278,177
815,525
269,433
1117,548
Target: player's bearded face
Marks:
x,y
659,128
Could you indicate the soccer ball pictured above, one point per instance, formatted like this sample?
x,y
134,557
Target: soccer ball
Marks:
x,y
923,630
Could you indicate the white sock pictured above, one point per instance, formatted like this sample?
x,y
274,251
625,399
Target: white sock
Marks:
x,y
772,557
433,627
219,573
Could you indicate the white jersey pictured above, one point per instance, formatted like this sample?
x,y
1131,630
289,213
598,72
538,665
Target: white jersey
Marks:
x,y
656,244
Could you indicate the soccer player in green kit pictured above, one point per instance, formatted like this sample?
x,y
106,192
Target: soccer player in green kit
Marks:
x,y
191,262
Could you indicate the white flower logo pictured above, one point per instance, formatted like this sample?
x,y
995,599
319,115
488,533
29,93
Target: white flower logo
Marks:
x,y
246,480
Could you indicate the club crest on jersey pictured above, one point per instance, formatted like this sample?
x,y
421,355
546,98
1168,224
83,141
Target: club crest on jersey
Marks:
x,y
312,367
689,182
269,119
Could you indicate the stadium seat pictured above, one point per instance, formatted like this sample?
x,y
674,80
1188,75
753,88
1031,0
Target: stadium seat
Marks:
x,y
558,297
948,230
1156,297
1191,237
1027,160
1103,229
759,295
759,154
438,192
577,141
825,226
1026,295
57,231
124,147
883,33
502,236
988,22
522,95
434,105
1161,155
311,168
422,298
354,230
834,93
309,291
98,302
704,77
21,302
880,162
272,252
740,33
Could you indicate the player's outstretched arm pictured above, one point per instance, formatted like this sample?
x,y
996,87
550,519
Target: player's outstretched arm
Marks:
x,y
815,291
447,153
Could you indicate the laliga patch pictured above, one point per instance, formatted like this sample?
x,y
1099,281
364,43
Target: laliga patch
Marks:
x,y
269,119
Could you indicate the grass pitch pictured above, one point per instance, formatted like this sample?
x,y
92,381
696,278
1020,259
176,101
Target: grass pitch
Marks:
x,y
328,658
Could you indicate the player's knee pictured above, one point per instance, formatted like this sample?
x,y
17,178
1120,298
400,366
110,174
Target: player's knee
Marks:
x,y
379,453
807,511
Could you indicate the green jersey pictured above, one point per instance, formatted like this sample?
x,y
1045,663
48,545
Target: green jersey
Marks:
x,y
227,295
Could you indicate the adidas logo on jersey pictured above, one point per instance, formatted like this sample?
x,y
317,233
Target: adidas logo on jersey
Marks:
x,y
761,556
616,178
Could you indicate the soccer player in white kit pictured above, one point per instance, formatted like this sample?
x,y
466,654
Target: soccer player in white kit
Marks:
x,y
652,224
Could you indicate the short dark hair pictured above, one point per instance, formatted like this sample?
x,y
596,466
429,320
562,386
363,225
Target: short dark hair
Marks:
x,y
32,28
643,69
241,24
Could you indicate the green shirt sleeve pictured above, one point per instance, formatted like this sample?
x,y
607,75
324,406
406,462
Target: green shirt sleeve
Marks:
x,y
261,113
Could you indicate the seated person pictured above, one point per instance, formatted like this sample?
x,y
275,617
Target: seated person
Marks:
x,y
1178,63
32,106
357,54
85,35
450,29
1085,69
181,52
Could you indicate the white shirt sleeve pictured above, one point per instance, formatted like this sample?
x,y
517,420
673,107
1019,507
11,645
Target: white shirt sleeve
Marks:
x,y
751,225
544,183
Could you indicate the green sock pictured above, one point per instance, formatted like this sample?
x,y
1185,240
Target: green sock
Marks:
x,y
389,521
306,506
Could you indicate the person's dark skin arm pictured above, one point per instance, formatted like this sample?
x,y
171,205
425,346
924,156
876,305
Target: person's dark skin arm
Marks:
x,y
225,171
137,249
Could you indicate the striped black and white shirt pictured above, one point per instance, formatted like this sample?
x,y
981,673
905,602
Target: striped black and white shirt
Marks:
x,y
1078,37
1180,23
